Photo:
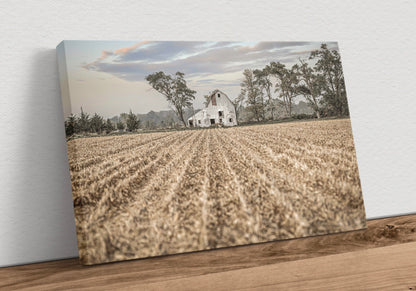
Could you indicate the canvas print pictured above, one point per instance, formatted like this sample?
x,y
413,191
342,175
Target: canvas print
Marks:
x,y
186,146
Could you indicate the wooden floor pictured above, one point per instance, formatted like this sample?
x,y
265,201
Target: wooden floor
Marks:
x,y
383,257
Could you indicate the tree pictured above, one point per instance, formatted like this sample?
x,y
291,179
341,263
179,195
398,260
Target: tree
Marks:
x,y
238,104
253,95
310,86
207,99
132,122
287,84
123,117
84,122
263,80
175,90
97,123
120,125
71,126
170,122
328,65
109,127
149,124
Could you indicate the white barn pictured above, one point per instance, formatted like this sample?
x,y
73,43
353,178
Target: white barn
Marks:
x,y
219,111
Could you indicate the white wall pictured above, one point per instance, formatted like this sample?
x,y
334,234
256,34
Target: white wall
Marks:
x,y
377,45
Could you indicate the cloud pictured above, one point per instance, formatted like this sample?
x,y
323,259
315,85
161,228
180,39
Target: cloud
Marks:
x,y
126,50
213,82
105,54
200,59
161,51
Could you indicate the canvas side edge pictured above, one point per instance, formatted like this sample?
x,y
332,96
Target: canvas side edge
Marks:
x,y
67,110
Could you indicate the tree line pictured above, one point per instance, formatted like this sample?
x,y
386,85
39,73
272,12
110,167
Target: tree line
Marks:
x,y
85,123
263,91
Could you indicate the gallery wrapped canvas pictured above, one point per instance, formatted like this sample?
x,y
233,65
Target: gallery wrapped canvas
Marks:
x,y
187,146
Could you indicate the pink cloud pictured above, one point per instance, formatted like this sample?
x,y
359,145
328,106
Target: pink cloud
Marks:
x,y
105,54
125,50
121,51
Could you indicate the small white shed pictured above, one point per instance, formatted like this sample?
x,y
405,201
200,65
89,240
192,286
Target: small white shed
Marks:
x,y
219,111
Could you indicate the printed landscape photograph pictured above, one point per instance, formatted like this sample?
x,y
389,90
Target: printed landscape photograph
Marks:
x,y
179,146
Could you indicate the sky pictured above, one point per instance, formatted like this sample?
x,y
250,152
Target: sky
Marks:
x,y
108,77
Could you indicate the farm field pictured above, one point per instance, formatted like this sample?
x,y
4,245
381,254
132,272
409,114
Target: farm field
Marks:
x,y
168,192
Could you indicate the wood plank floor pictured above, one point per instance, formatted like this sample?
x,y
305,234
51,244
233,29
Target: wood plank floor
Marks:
x,y
386,268
381,257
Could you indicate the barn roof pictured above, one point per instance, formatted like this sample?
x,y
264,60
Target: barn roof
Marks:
x,y
197,115
215,92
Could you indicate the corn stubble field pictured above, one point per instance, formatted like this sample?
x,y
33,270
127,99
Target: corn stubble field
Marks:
x,y
161,193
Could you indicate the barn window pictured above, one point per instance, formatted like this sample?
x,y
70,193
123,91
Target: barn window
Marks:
x,y
199,121
231,120
212,121
220,113
218,95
